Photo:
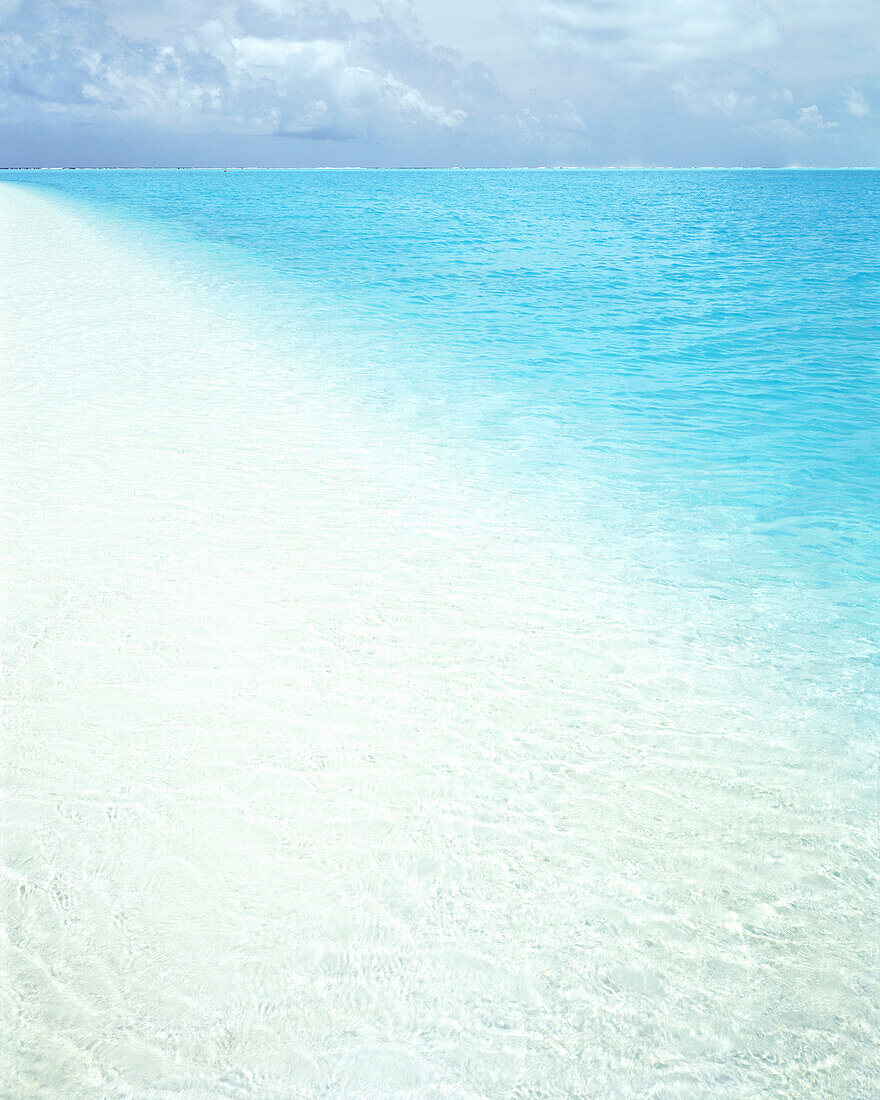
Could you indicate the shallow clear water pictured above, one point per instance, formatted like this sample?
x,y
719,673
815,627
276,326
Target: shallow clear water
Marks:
x,y
715,331
444,616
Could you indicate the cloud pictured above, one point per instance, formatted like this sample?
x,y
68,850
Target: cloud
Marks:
x,y
578,81
317,133
810,118
306,70
738,94
857,105
808,123
653,33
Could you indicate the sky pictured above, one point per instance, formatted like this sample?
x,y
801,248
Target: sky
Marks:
x,y
631,83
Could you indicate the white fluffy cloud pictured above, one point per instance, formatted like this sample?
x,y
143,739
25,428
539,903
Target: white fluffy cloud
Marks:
x,y
767,73
807,123
571,81
857,105
308,71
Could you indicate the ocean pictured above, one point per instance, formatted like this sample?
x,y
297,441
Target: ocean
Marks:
x,y
443,633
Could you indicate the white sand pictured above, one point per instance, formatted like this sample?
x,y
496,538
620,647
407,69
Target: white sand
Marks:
x,y
322,780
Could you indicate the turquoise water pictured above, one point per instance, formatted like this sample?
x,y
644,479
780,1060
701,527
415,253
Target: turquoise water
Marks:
x,y
705,343
600,667
710,335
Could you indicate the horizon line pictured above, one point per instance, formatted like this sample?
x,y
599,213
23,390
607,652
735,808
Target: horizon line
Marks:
x,y
436,168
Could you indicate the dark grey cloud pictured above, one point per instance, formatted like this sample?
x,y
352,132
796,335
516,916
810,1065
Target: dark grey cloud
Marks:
x,y
318,133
